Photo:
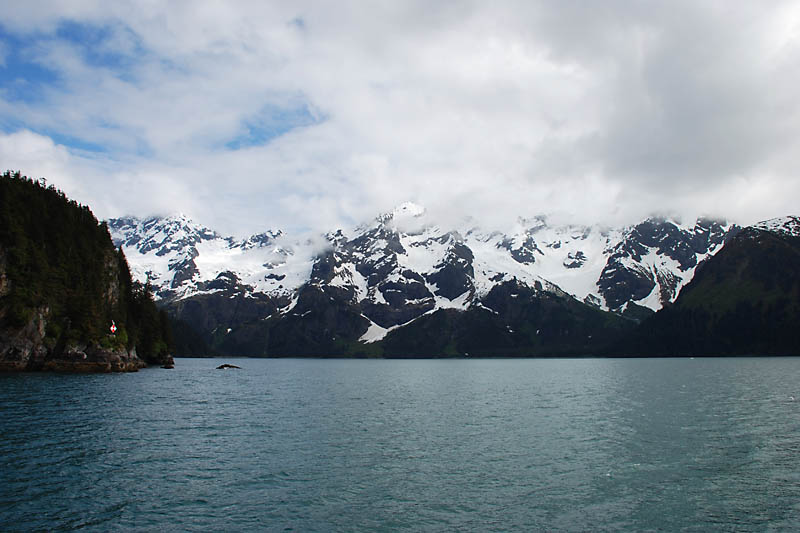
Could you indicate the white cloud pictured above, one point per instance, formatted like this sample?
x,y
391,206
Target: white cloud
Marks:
x,y
496,110
98,182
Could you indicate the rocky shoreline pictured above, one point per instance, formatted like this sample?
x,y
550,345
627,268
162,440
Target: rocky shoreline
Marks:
x,y
26,350
74,360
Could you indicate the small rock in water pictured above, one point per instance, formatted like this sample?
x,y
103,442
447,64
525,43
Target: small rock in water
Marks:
x,y
226,365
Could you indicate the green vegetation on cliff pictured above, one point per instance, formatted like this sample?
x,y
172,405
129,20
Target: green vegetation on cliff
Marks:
x,y
60,272
743,301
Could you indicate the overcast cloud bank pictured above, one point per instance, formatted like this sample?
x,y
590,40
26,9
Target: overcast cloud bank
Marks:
x,y
300,115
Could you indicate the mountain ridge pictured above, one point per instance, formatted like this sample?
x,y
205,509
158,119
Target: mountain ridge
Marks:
x,y
180,255
402,267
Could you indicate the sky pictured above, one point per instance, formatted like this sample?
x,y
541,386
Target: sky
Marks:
x,y
307,115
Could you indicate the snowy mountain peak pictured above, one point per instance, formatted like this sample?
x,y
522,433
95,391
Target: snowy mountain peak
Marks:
x,y
408,209
181,257
259,240
788,225
404,211
401,267
172,233
180,223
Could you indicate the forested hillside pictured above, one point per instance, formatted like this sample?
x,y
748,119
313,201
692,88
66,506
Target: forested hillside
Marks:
x,y
63,284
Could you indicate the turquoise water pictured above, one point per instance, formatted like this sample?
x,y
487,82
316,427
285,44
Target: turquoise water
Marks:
x,y
418,445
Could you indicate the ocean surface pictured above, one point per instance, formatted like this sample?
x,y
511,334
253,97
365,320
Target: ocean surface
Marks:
x,y
415,445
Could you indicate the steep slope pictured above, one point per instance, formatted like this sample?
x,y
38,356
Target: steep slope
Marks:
x,y
62,284
512,320
743,301
656,258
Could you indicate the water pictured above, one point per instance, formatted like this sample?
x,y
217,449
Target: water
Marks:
x,y
432,445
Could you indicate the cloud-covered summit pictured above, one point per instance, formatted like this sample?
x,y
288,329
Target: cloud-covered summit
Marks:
x,y
308,115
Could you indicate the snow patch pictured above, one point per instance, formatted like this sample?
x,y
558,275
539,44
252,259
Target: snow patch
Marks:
x,y
788,225
374,332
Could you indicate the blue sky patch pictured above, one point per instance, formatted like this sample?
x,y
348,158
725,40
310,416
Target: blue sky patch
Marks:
x,y
272,122
73,142
94,43
25,78
22,79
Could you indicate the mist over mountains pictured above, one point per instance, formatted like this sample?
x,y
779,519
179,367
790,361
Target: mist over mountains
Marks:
x,y
274,294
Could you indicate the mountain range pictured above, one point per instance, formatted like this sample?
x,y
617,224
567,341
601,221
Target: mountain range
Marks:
x,y
405,285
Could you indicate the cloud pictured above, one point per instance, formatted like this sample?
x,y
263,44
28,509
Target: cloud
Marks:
x,y
306,115
98,182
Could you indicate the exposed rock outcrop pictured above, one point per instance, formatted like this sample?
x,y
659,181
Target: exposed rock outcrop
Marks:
x,y
28,349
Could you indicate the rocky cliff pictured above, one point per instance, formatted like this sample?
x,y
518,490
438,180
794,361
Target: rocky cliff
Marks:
x,y
32,346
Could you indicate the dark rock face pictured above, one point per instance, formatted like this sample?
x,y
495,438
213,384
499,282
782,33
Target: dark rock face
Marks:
x,y
455,273
406,299
184,270
394,295
525,253
26,349
618,283
575,260
623,279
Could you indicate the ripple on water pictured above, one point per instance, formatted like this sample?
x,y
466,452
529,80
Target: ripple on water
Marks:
x,y
337,445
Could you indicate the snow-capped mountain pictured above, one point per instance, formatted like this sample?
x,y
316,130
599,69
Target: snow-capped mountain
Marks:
x,y
420,287
656,258
788,226
401,252
403,266
180,257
